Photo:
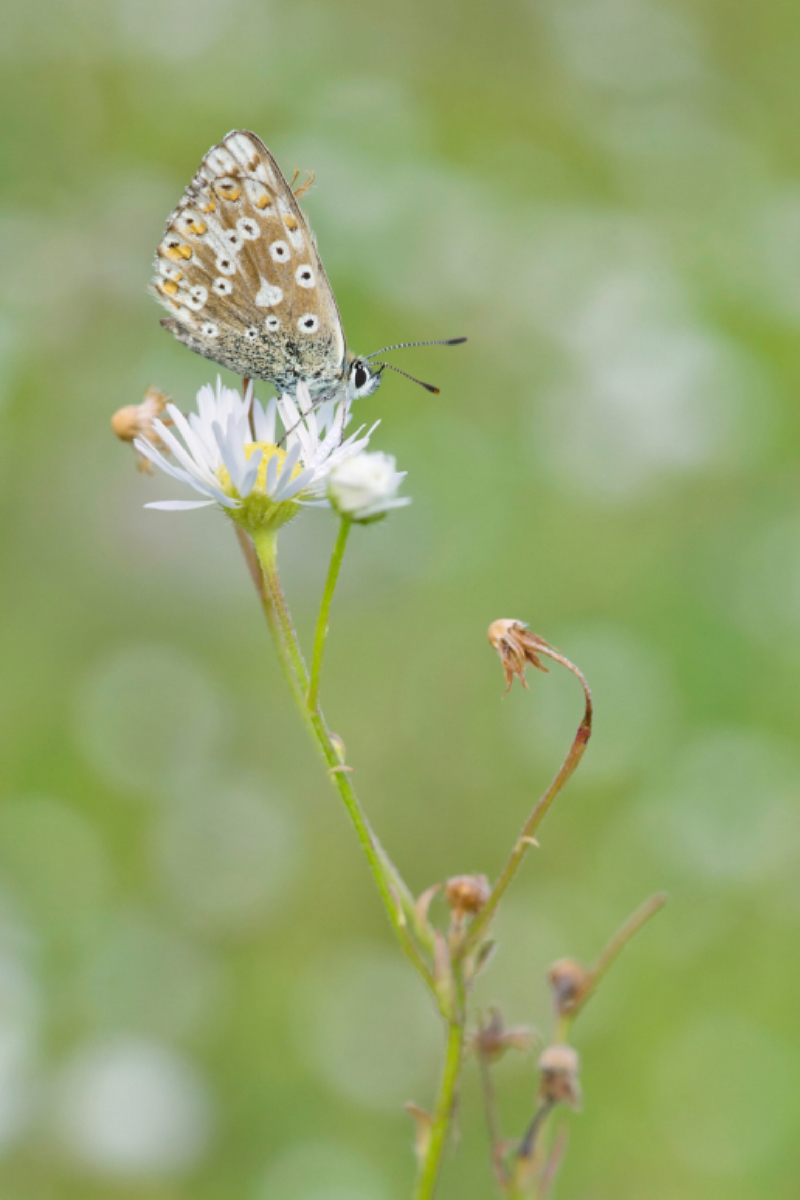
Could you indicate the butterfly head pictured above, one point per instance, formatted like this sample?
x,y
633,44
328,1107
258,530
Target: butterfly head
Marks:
x,y
362,379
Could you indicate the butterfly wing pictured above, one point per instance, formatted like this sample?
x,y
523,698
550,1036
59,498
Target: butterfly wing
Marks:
x,y
239,273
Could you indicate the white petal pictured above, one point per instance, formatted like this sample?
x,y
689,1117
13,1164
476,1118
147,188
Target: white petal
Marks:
x,y
236,464
264,421
372,510
155,456
272,475
179,505
289,464
195,444
197,470
290,415
249,477
285,491
303,398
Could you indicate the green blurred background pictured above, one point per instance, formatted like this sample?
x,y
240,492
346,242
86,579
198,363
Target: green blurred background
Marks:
x,y
199,994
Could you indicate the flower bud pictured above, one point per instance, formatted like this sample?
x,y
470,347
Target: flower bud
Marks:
x,y
517,648
492,1039
559,1076
466,895
363,488
569,981
136,421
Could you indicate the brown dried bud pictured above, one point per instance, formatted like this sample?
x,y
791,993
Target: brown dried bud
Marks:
x,y
569,981
517,648
136,421
467,894
492,1039
559,1082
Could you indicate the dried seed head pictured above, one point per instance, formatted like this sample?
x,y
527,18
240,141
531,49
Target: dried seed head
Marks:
x,y
491,1039
559,1076
517,648
569,981
467,894
136,420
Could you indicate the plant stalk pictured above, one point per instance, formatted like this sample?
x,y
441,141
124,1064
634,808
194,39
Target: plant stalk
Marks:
x,y
324,612
394,892
445,1106
526,837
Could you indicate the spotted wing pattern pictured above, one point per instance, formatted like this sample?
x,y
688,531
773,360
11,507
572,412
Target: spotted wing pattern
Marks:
x,y
239,273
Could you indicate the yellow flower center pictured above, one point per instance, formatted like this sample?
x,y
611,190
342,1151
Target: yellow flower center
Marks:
x,y
257,511
260,484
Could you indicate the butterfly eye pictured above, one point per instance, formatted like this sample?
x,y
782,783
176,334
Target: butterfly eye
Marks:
x,y
360,376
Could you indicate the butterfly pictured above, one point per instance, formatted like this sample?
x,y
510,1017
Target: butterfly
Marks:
x,y
239,273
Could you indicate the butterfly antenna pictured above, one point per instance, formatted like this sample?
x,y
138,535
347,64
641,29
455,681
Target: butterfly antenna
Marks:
x,y
407,345
428,386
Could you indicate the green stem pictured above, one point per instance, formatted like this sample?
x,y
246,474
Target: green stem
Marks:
x,y
254,566
394,892
324,611
614,948
265,542
526,838
445,1105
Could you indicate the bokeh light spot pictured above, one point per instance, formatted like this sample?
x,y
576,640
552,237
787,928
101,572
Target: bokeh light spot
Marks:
x,y
366,1024
320,1170
226,856
150,720
627,46
728,809
133,1107
140,975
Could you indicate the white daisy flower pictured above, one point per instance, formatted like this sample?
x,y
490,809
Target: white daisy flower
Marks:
x,y
260,475
364,486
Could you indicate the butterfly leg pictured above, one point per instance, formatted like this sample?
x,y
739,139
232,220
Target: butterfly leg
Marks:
x,y
304,187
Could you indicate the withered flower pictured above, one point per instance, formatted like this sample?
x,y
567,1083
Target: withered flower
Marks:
x,y
136,421
559,1076
569,981
491,1039
466,895
517,648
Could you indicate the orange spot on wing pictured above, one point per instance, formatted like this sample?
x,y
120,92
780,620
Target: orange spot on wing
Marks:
x,y
176,253
290,222
228,191
170,288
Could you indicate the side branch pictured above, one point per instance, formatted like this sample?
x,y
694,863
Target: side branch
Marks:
x,y
616,945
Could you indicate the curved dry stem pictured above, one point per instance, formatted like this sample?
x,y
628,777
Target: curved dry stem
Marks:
x,y
526,837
